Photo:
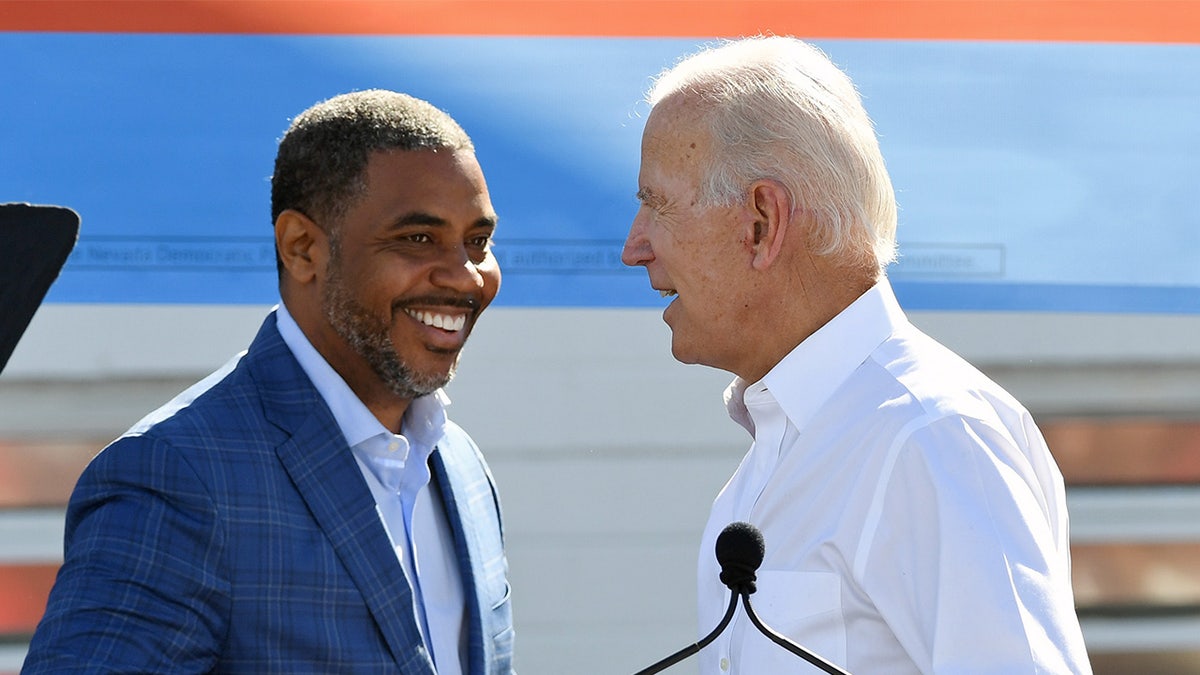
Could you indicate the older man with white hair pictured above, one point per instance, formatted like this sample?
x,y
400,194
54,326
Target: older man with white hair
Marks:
x,y
914,519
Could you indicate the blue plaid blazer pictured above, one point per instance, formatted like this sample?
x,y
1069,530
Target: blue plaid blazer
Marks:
x,y
232,532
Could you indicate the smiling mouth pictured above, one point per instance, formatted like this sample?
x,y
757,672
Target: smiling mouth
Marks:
x,y
448,322
667,293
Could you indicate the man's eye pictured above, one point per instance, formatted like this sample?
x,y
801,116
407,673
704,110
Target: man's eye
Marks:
x,y
480,242
420,238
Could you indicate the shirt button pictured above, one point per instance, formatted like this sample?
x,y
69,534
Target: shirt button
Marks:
x,y
393,446
724,664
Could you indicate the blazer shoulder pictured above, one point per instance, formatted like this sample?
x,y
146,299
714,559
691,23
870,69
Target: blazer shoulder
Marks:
x,y
186,398
239,393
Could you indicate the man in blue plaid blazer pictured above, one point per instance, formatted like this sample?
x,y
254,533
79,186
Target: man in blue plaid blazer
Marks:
x,y
308,508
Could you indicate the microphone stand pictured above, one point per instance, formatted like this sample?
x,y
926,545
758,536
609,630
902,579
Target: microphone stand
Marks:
x,y
788,644
695,647
740,551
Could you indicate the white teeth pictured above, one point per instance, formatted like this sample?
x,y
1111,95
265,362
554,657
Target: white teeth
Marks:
x,y
446,322
667,293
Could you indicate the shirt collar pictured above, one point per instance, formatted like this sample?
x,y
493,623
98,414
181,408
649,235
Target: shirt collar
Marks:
x,y
804,379
424,421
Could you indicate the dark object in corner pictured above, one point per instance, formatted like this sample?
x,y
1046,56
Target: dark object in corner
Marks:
x,y
34,244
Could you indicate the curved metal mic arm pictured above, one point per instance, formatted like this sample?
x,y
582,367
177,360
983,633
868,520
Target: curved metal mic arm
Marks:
x,y
740,551
788,644
695,647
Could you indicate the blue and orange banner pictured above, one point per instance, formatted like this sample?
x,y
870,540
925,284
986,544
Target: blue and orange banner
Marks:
x,y
1045,152
1154,21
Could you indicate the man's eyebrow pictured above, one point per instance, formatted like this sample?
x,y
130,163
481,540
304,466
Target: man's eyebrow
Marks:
x,y
417,218
423,218
646,195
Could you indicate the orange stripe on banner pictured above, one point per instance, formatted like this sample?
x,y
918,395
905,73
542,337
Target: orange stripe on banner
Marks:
x,y
24,589
1175,21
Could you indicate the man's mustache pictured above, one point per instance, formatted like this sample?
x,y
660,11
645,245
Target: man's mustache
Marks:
x,y
464,302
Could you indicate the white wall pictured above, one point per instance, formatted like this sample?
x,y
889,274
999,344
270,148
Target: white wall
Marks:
x,y
607,451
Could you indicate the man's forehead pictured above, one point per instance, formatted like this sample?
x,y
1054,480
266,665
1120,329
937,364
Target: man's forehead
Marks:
x,y
680,109
676,127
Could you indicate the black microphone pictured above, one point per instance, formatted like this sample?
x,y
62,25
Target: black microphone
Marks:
x,y
740,551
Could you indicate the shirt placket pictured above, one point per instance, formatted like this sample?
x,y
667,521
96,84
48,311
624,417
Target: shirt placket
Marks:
x,y
770,425
388,457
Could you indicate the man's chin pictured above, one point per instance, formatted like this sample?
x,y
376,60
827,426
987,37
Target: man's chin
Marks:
x,y
412,390
682,354
424,382
690,353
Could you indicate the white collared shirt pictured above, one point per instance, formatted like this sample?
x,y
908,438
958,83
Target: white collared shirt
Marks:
x,y
913,518
411,511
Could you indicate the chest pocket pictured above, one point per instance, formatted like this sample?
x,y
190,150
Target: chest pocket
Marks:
x,y
804,607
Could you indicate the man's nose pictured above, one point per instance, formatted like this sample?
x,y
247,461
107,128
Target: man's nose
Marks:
x,y
456,270
637,249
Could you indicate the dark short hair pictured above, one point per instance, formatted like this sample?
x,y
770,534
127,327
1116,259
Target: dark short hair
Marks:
x,y
321,164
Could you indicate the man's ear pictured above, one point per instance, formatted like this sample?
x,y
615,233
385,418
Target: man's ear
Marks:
x,y
303,246
771,208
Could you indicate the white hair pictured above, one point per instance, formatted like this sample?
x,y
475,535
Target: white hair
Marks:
x,y
778,108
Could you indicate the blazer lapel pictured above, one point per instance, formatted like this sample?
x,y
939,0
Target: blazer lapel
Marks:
x,y
325,474
464,486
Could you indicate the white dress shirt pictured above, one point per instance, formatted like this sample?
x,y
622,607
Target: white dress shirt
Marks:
x,y
396,468
913,517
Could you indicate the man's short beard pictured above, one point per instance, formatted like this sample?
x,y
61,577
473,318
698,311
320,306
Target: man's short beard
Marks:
x,y
370,338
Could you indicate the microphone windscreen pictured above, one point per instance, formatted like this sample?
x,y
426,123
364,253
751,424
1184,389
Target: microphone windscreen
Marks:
x,y
740,550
